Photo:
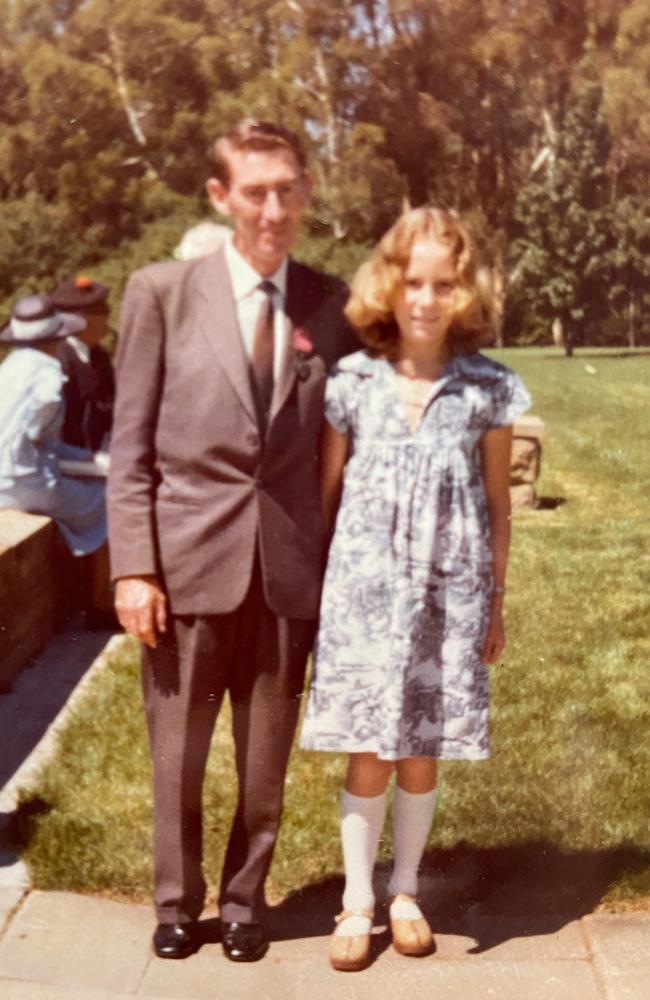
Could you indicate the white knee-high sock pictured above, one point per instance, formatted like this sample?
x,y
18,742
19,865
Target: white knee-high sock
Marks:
x,y
362,820
412,817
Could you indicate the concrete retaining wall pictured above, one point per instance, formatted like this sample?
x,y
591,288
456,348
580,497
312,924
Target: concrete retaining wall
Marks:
x,y
38,587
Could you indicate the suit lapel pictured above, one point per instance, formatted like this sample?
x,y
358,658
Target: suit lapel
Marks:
x,y
218,320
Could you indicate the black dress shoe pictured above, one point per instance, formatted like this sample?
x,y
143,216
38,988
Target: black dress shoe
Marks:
x,y
175,940
243,942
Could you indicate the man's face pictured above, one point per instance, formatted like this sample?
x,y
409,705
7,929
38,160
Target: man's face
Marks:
x,y
266,197
96,328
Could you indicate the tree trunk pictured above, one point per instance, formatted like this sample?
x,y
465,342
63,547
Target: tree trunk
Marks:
x,y
631,323
568,341
117,63
499,283
321,91
557,332
115,60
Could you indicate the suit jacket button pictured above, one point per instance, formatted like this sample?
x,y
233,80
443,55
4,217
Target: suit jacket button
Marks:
x,y
252,438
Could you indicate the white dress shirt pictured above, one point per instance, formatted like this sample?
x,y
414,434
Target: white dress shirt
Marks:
x,y
81,350
249,299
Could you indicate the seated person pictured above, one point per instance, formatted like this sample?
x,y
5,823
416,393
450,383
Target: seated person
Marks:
x,y
31,449
90,388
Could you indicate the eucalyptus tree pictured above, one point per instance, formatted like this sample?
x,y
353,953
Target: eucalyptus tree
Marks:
x,y
564,225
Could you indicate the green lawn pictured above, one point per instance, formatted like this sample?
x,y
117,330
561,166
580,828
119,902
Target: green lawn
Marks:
x,y
570,770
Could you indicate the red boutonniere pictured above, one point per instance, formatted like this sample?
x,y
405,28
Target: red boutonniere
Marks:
x,y
303,348
301,341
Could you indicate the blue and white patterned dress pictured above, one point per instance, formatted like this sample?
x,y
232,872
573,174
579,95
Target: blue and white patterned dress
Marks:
x,y
406,599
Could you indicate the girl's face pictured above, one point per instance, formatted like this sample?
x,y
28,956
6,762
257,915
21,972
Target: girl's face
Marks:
x,y
424,302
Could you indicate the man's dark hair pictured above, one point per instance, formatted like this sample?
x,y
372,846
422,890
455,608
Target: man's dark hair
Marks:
x,y
252,134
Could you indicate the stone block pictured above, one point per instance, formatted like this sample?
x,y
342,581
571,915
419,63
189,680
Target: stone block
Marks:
x,y
10,899
525,462
38,586
13,989
390,977
621,953
78,943
522,495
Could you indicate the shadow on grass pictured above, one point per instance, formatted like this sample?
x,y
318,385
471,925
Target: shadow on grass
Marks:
x,y
488,895
549,503
16,828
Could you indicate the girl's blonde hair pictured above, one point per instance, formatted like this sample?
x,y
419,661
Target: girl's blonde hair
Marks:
x,y
370,308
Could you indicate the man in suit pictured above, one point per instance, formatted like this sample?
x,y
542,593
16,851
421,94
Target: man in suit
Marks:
x,y
215,518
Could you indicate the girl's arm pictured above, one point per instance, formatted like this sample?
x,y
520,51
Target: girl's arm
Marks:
x,y
334,449
496,446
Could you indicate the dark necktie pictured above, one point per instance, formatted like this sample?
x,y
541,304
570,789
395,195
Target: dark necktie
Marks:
x,y
262,353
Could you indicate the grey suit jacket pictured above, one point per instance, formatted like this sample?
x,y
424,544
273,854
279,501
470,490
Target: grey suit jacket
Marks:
x,y
193,488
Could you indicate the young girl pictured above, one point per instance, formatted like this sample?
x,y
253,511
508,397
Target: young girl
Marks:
x,y
418,425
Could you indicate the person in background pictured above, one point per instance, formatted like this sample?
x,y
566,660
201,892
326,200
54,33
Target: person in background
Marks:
x,y
32,451
201,240
90,388
417,447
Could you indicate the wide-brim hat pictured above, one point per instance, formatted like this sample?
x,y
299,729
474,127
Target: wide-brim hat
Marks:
x,y
35,320
80,295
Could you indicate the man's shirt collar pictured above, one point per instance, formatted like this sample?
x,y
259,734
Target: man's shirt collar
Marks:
x,y
245,278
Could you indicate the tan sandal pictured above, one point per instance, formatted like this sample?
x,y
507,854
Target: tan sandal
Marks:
x,y
350,952
411,937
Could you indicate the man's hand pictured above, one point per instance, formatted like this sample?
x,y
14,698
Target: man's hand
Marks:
x,y
141,607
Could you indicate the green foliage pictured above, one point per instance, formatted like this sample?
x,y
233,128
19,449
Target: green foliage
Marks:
x,y
47,252
563,226
418,101
326,253
629,286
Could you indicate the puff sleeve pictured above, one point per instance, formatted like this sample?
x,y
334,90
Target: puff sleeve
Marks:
x,y
339,401
510,399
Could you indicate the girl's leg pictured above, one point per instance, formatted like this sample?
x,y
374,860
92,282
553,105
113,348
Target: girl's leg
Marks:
x,y
413,809
363,809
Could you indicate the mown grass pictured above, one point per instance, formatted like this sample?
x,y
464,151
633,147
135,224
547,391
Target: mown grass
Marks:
x,y
570,705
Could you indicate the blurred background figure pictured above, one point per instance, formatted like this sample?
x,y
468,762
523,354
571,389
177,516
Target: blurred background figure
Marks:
x,y
89,392
33,453
201,240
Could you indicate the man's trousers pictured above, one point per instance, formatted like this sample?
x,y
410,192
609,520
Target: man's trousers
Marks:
x,y
260,660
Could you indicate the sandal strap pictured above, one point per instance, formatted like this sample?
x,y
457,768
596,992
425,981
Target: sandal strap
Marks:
x,y
359,912
405,897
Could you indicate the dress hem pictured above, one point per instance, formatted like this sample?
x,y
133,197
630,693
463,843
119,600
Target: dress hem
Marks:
x,y
445,754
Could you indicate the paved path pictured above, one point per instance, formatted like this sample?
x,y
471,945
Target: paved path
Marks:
x,y
61,946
